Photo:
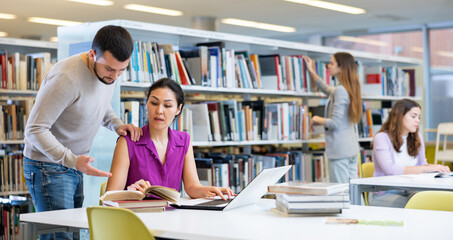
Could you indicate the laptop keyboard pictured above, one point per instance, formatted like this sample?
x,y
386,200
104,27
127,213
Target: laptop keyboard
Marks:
x,y
215,202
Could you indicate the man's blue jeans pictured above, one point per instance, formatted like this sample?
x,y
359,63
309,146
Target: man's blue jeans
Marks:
x,y
53,187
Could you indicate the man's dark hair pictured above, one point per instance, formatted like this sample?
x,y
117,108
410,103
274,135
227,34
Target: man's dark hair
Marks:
x,y
114,39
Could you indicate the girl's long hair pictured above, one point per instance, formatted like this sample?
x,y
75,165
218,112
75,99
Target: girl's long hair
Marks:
x,y
394,125
349,78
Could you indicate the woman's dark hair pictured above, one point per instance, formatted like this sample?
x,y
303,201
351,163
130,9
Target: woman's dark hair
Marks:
x,y
114,39
393,127
172,85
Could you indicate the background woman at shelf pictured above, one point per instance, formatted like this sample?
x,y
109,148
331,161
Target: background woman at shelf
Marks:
x,y
343,110
398,149
162,156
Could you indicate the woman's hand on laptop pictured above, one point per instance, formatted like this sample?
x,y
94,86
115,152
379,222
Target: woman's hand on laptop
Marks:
x,y
211,191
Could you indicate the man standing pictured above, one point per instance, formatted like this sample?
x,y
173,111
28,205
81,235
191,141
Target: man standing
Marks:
x,y
72,103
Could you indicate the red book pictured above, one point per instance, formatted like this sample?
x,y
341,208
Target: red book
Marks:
x,y
4,68
182,70
373,78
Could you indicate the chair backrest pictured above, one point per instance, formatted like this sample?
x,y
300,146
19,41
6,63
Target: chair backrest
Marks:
x,y
109,223
367,169
432,200
443,130
102,191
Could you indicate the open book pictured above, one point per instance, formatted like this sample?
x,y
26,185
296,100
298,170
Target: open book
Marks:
x,y
165,193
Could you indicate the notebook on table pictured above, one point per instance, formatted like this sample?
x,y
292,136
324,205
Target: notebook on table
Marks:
x,y
249,195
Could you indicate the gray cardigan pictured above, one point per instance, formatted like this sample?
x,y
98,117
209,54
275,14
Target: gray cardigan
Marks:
x,y
70,107
340,133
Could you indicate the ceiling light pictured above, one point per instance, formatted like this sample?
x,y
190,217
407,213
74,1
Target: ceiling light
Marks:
x,y
52,21
3,34
53,39
362,40
7,16
252,24
445,54
417,49
149,9
330,6
94,2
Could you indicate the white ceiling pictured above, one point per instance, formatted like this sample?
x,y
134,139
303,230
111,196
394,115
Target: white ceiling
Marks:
x,y
306,19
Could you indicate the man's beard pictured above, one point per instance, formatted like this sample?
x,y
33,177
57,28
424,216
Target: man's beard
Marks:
x,y
99,78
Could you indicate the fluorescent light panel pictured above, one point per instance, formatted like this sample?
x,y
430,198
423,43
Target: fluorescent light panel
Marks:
x,y
51,21
149,9
3,34
331,6
7,16
252,24
94,2
362,40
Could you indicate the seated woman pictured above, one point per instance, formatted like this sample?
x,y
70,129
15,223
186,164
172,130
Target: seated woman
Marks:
x,y
162,156
398,149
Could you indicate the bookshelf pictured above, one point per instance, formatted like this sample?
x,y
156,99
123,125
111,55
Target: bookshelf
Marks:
x,y
19,93
72,38
13,52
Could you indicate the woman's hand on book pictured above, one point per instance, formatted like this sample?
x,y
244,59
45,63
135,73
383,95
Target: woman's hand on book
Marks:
x,y
140,185
211,191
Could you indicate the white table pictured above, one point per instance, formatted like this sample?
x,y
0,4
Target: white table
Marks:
x,y
258,221
411,182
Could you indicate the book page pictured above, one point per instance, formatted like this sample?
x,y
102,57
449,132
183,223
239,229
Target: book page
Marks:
x,y
122,195
166,193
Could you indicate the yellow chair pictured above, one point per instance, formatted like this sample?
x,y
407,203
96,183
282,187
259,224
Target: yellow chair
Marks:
x,y
102,191
109,223
444,155
432,200
367,171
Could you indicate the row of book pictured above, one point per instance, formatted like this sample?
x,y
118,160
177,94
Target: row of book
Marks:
x,y
237,170
13,118
388,81
210,64
23,71
372,119
297,197
232,120
10,210
11,169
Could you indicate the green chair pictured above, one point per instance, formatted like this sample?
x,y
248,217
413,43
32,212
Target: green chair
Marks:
x,y
109,223
367,171
432,200
102,191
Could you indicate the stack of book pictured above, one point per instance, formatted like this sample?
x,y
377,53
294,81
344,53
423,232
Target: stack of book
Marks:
x,y
135,200
152,205
310,198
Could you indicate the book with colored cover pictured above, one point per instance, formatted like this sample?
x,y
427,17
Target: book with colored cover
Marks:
x,y
314,205
315,188
318,211
148,203
162,192
338,197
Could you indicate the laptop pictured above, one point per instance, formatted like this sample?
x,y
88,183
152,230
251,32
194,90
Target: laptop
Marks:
x,y
249,195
